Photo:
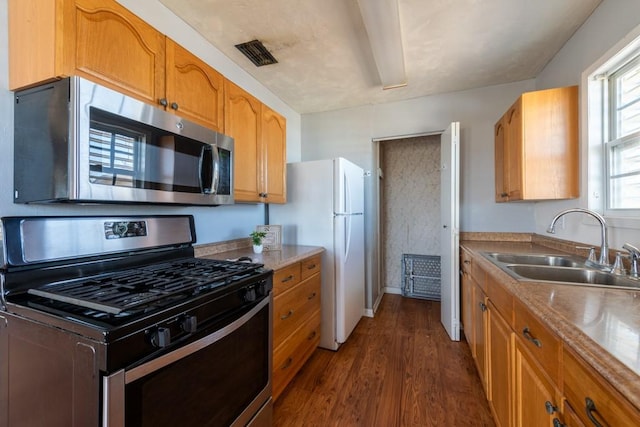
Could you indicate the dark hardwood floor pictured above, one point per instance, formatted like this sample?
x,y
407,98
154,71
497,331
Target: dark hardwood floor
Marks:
x,y
397,369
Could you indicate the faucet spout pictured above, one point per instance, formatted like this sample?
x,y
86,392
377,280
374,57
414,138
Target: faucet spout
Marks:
x,y
604,246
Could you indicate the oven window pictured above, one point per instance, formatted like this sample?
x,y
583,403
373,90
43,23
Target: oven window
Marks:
x,y
208,388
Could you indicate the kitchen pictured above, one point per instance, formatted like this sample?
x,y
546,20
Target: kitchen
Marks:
x,y
308,134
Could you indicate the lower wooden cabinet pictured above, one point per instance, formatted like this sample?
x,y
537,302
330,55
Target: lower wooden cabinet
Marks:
x,y
296,319
499,362
595,401
532,378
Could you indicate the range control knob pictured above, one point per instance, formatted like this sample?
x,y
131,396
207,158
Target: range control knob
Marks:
x,y
250,294
161,337
189,324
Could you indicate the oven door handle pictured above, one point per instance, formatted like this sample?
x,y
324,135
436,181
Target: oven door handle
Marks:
x,y
114,385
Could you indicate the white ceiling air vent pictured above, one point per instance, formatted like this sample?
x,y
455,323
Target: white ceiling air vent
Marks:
x,y
257,53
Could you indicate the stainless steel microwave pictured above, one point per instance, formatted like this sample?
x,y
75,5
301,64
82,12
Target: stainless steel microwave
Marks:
x,y
77,141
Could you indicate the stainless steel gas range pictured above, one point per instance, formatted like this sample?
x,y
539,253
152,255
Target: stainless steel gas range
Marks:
x,y
112,321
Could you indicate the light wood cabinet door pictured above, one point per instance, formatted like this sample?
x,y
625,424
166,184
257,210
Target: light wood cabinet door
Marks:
x,y
274,147
536,147
499,356
88,38
242,122
593,398
480,319
194,90
535,397
260,147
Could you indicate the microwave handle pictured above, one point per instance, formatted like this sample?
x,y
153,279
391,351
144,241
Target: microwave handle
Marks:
x,y
209,169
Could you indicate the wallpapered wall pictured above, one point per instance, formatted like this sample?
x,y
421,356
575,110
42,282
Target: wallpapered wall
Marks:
x,y
410,202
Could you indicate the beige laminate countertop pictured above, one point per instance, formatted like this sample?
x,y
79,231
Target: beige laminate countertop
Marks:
x,y
601,325
274,260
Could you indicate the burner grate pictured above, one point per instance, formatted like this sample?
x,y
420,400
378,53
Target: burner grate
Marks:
x,y
116,293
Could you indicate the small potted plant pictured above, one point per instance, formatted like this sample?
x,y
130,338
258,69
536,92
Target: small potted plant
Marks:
x,y
256,239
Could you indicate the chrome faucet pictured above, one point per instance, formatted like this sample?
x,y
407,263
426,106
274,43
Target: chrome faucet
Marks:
x,y
634,255
604,247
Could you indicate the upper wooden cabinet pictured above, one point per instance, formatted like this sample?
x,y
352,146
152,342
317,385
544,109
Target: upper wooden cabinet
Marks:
x,y
536,147
104,42
259,135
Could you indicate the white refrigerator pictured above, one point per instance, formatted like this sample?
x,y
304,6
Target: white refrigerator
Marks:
x,y
325,207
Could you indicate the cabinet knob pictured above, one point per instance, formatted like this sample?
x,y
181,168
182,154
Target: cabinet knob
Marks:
x,y
174,106
557,423
550,408
163,102
504,194
483,306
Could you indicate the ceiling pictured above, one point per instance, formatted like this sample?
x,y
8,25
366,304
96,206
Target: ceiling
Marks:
x,y
325,62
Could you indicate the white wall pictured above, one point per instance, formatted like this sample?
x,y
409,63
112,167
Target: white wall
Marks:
x,y
608,24
212,223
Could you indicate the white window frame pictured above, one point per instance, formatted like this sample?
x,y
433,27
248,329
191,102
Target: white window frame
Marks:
x,y
595,128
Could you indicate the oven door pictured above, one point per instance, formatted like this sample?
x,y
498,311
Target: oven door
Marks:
x,y
219,380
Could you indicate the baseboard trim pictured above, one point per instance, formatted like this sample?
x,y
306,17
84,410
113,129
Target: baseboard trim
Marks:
x,y
390,290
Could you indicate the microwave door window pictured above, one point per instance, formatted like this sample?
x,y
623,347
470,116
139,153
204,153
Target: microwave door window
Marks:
x,y
114,155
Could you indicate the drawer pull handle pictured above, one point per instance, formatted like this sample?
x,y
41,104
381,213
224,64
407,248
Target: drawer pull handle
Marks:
x,y
287,279
557,423
286,316
312,335
311,266
483,306
286,363
466,261
312,296
591,408
534,340
550,408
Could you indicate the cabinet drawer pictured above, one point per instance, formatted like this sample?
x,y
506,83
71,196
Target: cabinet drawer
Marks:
x,y
310,266
608,407
538,340
286,278
289,357
292,308
501,298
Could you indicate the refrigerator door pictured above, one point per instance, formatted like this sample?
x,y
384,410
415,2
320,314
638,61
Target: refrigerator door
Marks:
x,y
348,246
349,270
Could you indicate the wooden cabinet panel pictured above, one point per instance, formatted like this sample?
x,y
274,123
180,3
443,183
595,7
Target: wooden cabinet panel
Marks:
x,y
541,342
293,306
592,396
274,138
536,147
480,319
291,355
194,90
535,396
286,278
260,147
107,33
499,337
310,266
296,318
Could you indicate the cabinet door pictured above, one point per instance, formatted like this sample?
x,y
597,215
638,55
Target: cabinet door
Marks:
x,y
500,165
480,335
499,357
466,305
242,122
274,145
513,152
116,48
534,394
193,88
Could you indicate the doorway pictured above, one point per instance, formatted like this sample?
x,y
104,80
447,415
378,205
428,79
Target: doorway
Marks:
x,y
409,201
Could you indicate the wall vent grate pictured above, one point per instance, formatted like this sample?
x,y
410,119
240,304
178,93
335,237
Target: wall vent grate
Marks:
x,y
257,53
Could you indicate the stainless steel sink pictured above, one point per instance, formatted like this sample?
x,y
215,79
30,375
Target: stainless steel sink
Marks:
x,y
585,276
537,259
565,269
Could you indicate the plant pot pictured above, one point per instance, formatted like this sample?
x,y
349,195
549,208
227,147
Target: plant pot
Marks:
x,y
257,249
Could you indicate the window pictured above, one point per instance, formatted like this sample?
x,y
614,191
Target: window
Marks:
x,y
622,146
613,131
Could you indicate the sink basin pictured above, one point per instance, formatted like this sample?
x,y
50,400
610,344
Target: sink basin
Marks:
x,y
583,276
536,259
